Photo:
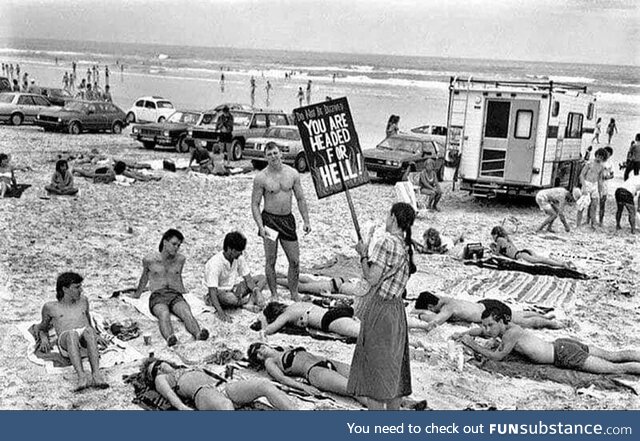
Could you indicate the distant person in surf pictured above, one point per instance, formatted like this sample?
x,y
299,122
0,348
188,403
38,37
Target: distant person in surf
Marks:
x,y
612,129
300,96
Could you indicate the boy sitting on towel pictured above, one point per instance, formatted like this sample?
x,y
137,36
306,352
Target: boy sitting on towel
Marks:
x,y
563,353
69,316
436,310
229,282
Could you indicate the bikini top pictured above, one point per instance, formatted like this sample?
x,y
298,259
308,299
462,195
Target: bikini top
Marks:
x,y
289,356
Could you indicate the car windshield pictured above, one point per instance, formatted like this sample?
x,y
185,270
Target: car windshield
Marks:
x,y
164,105
6,97
241,119
401,144
75,106
184,118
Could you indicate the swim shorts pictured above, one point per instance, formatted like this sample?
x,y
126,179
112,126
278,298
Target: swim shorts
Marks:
x,y
165,296
334,314
327,364
591,188
569,354
624,197
285,225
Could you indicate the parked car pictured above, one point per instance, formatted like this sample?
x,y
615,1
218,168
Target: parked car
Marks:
x,y
439,133
398,155
5,84
17,107
150,109
248,122
80,116
287,138
57,97
172,132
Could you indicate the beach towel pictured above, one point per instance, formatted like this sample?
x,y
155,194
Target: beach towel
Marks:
x,y
16,191
504,264
116,352
518,288
196,304
516,366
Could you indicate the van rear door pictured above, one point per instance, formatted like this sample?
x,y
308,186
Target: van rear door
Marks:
x,y
522,140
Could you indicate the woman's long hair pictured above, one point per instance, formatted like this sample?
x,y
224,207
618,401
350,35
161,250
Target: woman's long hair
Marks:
x,y
405,215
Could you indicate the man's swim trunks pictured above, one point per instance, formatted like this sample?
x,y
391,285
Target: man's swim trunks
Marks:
x,y
165,296
569,354
624,197
285,225
334,314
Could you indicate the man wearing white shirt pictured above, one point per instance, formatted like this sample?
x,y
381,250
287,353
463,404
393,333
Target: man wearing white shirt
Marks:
x,y
228,280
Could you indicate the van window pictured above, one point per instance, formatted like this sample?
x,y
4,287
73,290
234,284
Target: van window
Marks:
x,y
497,123
25,100
524,119
574,125
590,111
555,110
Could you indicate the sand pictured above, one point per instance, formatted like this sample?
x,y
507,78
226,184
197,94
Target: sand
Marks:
x,y
104,233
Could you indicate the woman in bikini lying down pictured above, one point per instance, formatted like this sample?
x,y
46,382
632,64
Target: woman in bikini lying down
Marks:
x,y
177,384
325,285
339,320
502,245
323,374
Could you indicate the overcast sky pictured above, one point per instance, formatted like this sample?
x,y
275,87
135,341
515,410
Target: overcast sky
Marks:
x,y
597,31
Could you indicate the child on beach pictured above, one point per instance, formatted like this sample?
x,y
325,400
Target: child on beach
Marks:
x,y
62,180
70,317
591,179
552,201
502,245
7,175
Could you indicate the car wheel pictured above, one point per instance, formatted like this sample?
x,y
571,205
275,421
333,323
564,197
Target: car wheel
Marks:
x,y
301,163
258,165
131,118
161,119
148,144
16,119
236,150
75,128
116,128
182,146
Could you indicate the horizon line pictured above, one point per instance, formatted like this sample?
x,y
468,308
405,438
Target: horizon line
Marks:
x,y
321,51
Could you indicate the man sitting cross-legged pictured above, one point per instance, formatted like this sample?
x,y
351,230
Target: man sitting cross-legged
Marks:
x,y
163,272
229,282
436,310
69,316
564,353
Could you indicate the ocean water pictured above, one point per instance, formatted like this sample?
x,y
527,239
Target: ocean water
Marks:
x,y
376,85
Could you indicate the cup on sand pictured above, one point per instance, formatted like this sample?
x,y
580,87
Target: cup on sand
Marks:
x,y
147,339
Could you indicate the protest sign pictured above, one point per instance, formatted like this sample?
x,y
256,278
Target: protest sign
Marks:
x,y
331,145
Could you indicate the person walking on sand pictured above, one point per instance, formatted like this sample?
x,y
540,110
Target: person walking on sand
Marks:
x,y
380,369
69,316
607,175
106,76
162,271
300,96
633,158
597,131
276,184
308,92
252,86
268,90
611,130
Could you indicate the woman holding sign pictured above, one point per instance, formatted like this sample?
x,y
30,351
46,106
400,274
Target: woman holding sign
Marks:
x,y
380,368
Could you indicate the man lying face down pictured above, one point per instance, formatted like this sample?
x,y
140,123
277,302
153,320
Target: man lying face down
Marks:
x,y
436,310
564,353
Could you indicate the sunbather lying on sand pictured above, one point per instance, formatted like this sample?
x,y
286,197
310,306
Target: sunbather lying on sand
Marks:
x,y
434,243
502,245
323,374
324,285
206,392
106,174
339,320
564,353
436,310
